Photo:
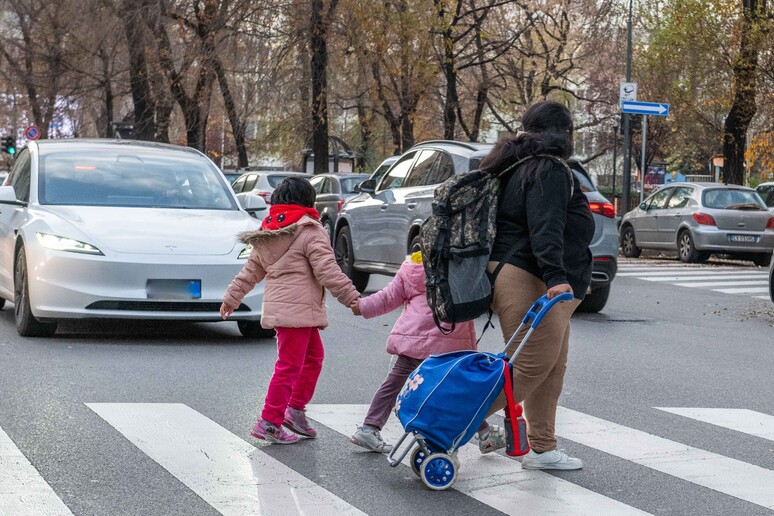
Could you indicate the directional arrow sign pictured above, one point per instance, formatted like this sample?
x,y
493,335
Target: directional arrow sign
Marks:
x,y
645,108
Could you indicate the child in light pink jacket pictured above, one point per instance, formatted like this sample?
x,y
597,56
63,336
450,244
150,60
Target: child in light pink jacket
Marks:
x,y
292,254
413,338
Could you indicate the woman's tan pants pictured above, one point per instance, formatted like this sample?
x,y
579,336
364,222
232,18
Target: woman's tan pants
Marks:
x,y
538,373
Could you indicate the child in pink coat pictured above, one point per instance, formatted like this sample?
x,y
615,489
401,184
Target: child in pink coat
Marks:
x,y
292,254
413,338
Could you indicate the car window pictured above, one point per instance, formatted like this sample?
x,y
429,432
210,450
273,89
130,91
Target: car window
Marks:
x,y
250,182
659,200
397,174
327,186
585,184
767,194
275,179
317,183
443,169
239,184
422,169
732,199
130,176
20,175
348,185
680,198
379,172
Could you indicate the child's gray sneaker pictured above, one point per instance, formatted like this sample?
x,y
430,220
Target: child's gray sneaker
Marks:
x,y
371,439
493,439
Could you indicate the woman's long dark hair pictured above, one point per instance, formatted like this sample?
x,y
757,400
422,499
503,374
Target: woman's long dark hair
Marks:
x,y
547,130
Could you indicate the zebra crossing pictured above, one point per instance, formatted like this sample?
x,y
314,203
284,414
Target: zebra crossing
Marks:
x,y
746,281
236,477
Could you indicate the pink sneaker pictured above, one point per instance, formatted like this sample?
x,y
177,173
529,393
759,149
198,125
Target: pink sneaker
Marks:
x,y
296,421
268,432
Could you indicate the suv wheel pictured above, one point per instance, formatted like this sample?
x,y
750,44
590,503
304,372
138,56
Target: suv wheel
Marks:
x,y
328,227
254,330
345,257
629,244
595,300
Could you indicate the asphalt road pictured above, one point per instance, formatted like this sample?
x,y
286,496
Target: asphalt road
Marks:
x,y
658,344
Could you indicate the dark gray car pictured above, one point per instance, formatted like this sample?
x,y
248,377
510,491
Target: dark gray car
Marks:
x,y
376,229
332,191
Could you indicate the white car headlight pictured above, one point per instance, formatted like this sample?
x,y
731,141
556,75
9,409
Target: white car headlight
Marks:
x,y
245,254
58,243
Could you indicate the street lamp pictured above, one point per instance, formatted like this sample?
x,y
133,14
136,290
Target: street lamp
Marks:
x,y
627,164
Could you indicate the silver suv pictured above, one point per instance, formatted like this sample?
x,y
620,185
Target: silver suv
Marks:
x,y
376,229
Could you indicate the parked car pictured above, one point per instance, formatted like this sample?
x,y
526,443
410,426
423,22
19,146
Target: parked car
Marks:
x,y
766,191
332,191
121,230
604,245
376,229
261,184
698,219
232,174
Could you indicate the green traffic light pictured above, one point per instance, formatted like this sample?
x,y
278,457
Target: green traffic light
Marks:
x,y
11,151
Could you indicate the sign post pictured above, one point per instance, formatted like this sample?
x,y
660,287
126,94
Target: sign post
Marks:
x,y
644,109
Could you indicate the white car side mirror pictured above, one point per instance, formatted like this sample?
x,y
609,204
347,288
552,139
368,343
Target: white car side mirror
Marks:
x,y
253,204
8,195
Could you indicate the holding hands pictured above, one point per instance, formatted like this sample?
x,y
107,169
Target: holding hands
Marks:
x,y
355,307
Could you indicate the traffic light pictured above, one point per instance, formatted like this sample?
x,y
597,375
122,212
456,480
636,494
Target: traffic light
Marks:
x,y
9,145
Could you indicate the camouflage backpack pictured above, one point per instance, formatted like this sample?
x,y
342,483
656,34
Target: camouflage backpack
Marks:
x,y
456,241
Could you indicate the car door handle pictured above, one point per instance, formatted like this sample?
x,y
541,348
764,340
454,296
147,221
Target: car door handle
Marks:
x,y
411,205
384,206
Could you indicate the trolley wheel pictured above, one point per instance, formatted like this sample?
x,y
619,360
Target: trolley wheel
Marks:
x,y
417,458
438,471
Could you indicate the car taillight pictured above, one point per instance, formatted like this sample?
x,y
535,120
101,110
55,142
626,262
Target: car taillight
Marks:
x,y
265,195
603,208
341,203
704,219
770,225
603,258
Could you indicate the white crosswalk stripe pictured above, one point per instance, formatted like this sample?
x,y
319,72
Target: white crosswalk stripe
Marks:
x,y
237,478
725,280
491,479
741,420
22,490
729,476
233,476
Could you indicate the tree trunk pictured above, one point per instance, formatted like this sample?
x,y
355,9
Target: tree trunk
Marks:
x,y
237,125
745,89
144,126
366,135
319,70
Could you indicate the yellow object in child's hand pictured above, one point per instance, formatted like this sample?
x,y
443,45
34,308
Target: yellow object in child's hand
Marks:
x,y
416,257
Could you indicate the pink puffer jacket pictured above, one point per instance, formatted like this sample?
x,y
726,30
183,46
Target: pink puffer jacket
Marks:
x,y
298,264
415,333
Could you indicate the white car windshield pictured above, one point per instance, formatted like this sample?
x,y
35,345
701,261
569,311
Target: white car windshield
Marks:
x,y
130,176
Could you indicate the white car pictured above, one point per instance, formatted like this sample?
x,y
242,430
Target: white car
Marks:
x,y
120,230
261,183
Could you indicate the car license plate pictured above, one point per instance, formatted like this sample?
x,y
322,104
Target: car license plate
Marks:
x,y
174,289
750,239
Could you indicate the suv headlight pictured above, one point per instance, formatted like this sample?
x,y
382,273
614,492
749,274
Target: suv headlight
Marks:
x,y
245,254
58,243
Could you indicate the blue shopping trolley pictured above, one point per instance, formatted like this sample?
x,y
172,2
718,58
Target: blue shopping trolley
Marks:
x,y
446,399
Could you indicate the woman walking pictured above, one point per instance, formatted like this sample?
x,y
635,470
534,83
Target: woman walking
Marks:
x,y
544,227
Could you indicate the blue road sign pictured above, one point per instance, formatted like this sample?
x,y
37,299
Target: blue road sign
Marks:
x,y
645,108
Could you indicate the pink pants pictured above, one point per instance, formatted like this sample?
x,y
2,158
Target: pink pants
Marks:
x,y
299,362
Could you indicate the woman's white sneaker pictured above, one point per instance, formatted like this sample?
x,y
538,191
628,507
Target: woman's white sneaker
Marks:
x,y
554,459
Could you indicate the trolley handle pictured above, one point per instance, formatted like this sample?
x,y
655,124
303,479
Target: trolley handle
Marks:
x,y
542,306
